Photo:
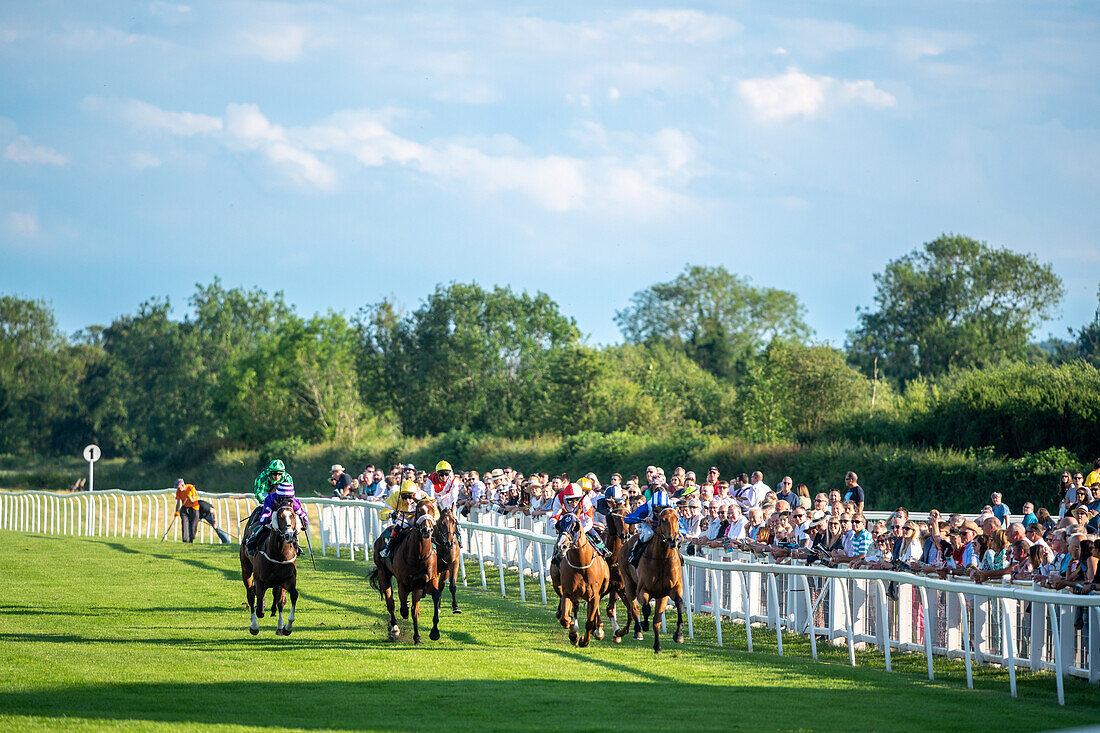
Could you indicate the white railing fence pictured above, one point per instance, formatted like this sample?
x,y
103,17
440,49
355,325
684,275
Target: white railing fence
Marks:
x,y
1011,624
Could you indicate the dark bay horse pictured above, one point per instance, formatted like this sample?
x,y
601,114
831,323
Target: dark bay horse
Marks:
x,y
415,566
274,566
656,578
616,532
449,552
584,577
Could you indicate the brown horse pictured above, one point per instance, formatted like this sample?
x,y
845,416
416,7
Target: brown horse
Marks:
x,y
616,532
273,567
449,552
415,566
657,577
584,577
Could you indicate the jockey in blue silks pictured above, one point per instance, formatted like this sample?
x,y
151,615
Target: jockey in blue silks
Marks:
x,y
282,495
646,517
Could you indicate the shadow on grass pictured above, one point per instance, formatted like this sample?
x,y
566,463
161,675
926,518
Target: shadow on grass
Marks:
x,y
416,704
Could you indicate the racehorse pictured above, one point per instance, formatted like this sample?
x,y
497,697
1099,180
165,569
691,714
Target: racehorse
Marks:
x,y
415,566
614,534
657,577
584,577
449,552
273,567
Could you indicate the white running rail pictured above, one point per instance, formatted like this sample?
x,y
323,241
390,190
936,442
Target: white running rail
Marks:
x,y
1010,624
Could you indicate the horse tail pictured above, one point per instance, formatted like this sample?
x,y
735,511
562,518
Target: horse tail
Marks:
x,y
372,578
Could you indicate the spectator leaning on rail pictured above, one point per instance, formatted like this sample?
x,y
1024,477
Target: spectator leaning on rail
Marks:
x,y
190,509
341,481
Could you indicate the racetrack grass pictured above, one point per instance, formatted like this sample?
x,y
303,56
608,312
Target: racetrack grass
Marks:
x,y
139,635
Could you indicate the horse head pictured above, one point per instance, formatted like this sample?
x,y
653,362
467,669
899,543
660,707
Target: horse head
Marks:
x,y
287,522
668,528
567,531
446,529
425,518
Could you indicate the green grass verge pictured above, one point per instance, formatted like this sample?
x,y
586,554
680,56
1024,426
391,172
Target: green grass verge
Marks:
x,y
140,635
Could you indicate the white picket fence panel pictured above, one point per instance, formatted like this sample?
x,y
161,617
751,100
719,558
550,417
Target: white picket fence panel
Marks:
x,y
1010,624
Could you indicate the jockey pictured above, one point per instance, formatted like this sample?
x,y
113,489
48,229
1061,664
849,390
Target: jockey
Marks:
x,y
401,506
612,500
571,500
646,516
442,486
269,478
282,495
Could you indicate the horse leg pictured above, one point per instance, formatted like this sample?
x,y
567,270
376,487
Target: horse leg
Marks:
x,y
293,601
259,590
437,596
454,601
404,595
280,600
643,601
678,599
659,608
416,596
592,623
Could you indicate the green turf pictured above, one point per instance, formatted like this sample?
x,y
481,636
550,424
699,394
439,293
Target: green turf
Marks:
x,y
138,634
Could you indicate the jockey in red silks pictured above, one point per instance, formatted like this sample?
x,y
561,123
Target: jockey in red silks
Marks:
x,y
442,485
572,500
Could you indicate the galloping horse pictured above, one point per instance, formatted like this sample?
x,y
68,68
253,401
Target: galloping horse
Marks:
x,y
449,552
584,577
657,577
273,567
615,534
414,565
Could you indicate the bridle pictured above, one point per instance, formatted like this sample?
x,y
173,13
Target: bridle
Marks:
x,y
578,539
287,531
446,540
673,541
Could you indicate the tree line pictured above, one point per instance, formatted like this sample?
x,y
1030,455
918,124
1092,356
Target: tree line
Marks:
x,y
709,352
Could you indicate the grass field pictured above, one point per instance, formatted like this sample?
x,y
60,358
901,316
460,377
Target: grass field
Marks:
x,y
140,635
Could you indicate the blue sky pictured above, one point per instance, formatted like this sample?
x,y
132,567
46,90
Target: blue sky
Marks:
x,y
346,152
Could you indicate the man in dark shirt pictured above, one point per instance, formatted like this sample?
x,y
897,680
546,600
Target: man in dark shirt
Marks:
x,y
341,482
853,491
787,494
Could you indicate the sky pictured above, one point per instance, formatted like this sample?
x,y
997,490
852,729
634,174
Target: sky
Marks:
x,y
348,152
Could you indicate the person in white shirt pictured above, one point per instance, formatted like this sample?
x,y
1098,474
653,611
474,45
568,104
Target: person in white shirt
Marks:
x,y
739,525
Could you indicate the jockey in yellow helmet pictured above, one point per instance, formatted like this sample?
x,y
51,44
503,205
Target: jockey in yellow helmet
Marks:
x,y
401,506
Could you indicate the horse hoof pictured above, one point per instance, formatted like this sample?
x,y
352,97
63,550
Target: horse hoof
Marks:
x,y
253,631
416,640
434,635
617,639
639,636
395,632
678,638
598,634
582,643
280,632
656,651
456,610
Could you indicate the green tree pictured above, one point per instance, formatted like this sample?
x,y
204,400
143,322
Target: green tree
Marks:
x,y
718,318
40,373
956,302
456,362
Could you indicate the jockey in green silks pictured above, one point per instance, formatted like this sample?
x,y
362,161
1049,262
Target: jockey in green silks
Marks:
x,y
269,478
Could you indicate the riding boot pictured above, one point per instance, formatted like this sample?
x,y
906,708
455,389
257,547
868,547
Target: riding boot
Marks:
x,y
259,534
597,542
636,552
297,549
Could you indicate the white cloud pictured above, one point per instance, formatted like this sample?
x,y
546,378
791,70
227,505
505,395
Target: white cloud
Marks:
x,y
95,38
797,94
22,151
687,26
277,43
23,224
636,175
149,117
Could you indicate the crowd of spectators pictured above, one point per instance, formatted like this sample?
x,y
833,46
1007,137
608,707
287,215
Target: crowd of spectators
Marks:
x,y
744,513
